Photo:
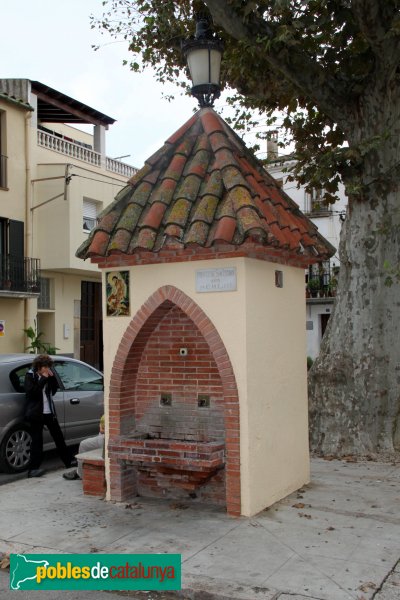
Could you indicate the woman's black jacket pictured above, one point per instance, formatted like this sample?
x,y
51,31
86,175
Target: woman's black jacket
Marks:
x,y
34,385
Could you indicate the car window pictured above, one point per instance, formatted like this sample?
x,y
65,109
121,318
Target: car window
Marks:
x,y
75,376
17,378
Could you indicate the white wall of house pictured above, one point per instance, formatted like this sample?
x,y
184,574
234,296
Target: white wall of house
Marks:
x,y
329,225
52,214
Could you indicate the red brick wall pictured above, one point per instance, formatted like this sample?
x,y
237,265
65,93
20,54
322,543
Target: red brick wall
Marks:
x,y
93,477
163,370
178,485
123,384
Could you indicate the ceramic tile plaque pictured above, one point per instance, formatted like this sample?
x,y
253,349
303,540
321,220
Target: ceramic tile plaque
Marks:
x,y
216,280
117,293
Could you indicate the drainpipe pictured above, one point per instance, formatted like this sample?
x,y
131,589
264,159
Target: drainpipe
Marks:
x,y
29,304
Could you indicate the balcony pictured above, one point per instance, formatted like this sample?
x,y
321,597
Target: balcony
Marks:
x,y
3,171
19,276
82,152
321,286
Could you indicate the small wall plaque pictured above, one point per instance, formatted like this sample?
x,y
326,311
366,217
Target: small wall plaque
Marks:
x,y
216,280
117,293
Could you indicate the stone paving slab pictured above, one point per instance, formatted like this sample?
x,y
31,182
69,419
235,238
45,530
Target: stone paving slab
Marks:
x,y
335,539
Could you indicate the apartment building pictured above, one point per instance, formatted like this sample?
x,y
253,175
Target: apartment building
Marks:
x,y
54,181
321,279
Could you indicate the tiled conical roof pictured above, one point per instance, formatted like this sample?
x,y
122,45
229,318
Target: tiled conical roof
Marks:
x,y
204,189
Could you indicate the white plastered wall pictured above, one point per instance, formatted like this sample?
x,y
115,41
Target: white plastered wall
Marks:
x,y
12,313
277,461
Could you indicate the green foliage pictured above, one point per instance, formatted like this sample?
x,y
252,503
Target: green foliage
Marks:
x,y
318,63
37,345
310,362
314,285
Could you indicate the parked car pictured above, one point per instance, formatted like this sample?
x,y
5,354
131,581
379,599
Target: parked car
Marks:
x,y
79,405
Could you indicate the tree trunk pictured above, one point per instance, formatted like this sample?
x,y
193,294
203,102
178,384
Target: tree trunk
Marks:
x,y
354,385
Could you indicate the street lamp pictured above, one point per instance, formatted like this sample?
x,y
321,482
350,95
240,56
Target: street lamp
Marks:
x,y
203,54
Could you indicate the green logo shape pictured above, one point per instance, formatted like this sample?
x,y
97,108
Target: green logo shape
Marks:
x,y
95,571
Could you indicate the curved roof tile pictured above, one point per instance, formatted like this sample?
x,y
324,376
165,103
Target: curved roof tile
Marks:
x,y
204,188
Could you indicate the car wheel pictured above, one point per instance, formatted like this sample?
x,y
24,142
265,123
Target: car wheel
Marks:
x,y
15,451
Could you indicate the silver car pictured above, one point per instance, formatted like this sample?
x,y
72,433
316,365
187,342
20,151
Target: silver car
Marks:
x,y
79,406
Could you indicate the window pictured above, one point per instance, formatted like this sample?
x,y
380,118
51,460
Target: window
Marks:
x,y
3,157
12,268
90,211
314,202
75,376
17,378
45,300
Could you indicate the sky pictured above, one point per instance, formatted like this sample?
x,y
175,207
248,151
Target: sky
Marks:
x,y
50,41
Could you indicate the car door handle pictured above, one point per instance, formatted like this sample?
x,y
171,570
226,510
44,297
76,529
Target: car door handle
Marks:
x,y
74,401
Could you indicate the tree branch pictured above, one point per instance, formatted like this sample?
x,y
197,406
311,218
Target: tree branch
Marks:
x,y
375,19
305,74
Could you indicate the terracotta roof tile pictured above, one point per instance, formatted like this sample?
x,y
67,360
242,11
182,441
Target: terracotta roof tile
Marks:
x,y
225,208
154,215
175,137
120,241
109,221
232,177
179,212
189,188
198,165
154,158
204,188
197,234
138,176
146,239
141,194
99,243
175,168
240,197
130,217
205,209
218,141
164,191
213,185
173,230
225,229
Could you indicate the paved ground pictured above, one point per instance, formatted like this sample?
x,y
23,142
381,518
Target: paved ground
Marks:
x,y
337,539
51,462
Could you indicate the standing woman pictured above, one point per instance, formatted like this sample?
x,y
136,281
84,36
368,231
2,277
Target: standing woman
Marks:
x,y
40,386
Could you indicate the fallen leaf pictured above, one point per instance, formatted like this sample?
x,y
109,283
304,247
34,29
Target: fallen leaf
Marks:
x,y
365,587
305,516
298,505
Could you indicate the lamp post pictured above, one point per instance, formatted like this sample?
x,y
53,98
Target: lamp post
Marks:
x,y
203,54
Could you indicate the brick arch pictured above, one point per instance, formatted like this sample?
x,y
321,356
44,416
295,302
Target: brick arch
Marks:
x,y
124,371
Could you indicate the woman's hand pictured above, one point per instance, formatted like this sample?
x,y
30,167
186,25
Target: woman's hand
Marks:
x,y
45,372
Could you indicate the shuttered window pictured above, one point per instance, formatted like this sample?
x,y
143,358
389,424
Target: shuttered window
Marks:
x,y
90,211
45,298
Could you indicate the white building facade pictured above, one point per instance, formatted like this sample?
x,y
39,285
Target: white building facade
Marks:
x,y
54,181
320,280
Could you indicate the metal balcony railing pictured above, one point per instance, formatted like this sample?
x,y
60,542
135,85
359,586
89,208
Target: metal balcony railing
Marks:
x,y
19,274
324,286
3,171
322,281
